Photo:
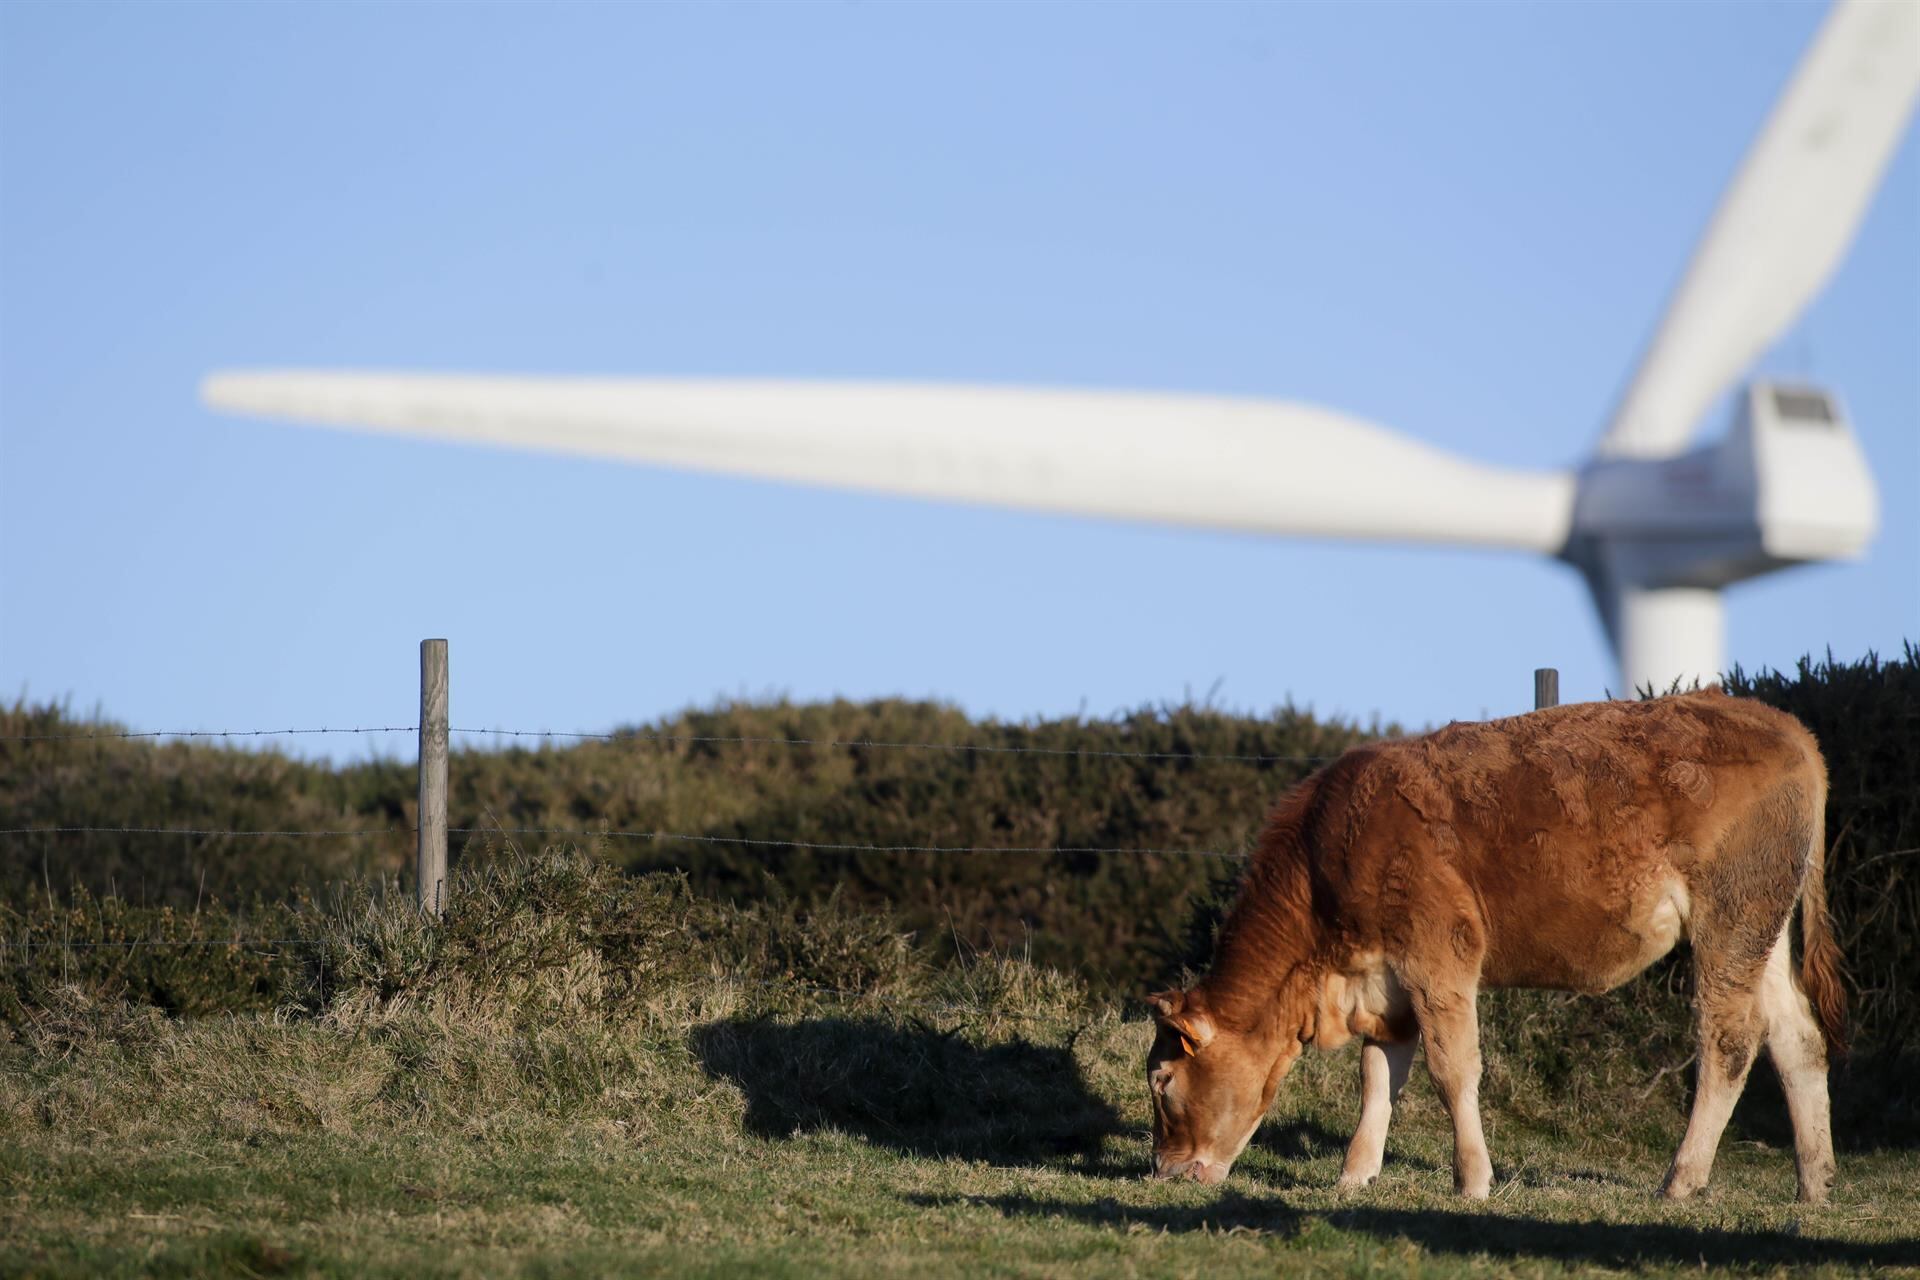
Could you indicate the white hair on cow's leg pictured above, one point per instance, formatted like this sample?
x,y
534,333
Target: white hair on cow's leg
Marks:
x,y
1383,1073
1800,1056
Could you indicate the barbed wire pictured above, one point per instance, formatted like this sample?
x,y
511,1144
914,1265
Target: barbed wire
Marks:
x,y
245,943
691,739
195,831
263,945
981,748
198,733
831,846
612,833
899,1002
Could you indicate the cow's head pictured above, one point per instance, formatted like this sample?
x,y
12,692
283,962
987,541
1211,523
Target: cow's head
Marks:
x,y
1210,1084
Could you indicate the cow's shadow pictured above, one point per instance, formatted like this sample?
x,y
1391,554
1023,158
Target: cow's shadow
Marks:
x,y
1876,1104
1291,1144
914,1090
1294,1139
1624,1245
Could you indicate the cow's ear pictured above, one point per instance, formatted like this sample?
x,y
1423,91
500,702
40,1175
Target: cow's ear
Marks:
x,y
1165,1004
1172,1010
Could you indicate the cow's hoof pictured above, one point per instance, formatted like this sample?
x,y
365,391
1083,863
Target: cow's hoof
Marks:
x,y
1355,1181
1473,1186
1816,1181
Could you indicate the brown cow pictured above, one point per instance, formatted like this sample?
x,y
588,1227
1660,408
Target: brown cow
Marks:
x,y
1569,848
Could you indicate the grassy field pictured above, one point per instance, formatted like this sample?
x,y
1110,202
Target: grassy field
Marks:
x,y
718,1125
584,1072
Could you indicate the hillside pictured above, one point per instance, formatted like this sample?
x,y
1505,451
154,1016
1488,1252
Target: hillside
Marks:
x,y
1154,780
1170,781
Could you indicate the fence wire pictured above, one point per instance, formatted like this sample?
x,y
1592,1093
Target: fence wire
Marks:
x,y
863,743
945,1007
832,847
123,734
689,739
245,944
195,831
949,1007
596,833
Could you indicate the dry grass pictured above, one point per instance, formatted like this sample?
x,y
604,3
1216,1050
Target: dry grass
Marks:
x,y
584,1075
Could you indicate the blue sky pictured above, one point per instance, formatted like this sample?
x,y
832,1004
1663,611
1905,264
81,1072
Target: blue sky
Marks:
x,y
1459,221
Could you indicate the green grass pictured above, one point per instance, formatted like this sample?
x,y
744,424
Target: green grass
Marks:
x,y
719,1129
577,1072
584,1073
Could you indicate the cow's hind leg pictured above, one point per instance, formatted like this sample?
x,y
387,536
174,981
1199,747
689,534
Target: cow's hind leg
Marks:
x,y
1799,1054
1730,1027
1727,974
1741,903
1383,1073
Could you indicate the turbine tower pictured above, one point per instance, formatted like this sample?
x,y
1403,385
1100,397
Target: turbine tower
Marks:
x,y
1658,527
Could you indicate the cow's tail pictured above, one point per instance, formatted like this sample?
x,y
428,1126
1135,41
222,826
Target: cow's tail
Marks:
x,y
1821,973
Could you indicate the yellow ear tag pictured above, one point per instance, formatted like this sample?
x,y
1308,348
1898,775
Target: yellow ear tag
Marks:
x,y
1186,1045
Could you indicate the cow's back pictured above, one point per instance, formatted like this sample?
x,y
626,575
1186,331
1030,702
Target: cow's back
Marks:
x,y
1571,839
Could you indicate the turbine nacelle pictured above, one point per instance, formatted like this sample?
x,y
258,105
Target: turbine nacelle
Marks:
x,y
1786,485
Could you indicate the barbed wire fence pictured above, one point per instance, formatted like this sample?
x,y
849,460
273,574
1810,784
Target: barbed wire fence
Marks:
x,y
638,735
431,835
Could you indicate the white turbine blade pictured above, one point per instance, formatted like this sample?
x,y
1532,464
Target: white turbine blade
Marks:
x,y
1783,225
1250,465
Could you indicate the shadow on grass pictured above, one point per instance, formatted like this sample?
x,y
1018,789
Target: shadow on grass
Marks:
x,y
1876,1102
1289,1145
1875,1096
1611,1244
1297,1139
913,1090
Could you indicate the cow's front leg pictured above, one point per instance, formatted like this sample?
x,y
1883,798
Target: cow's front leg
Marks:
x,y
1450,1022
1383,1073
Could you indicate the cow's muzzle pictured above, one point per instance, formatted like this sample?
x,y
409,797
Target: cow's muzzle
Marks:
x,y
1207,1172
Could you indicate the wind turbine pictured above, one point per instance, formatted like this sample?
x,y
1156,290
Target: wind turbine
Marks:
x,y
1658,528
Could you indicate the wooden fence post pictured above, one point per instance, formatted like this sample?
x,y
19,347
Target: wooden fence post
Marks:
x,y
431,865
1546,687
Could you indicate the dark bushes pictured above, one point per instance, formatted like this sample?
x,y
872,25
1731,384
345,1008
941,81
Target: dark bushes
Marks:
x,y
557,932
1097,915
209,960
1118,921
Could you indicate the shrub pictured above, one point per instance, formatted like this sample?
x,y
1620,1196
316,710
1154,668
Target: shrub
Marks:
x,y
526,938
209,960
576,935
713,774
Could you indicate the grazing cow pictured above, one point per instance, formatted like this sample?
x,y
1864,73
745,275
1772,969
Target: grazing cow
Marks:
x,y
1569,848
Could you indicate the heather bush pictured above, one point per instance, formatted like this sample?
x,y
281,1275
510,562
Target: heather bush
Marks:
x,y
565,932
